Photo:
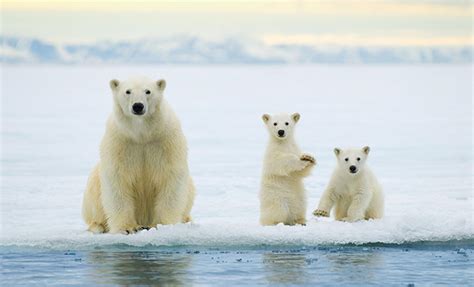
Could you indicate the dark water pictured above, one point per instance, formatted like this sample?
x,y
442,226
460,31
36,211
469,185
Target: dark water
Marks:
x,y
401,265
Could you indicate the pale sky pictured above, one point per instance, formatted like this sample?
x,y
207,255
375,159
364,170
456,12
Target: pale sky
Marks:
x,y
349,22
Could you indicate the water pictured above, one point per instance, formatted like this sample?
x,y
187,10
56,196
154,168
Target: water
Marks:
x,y
417,120
419,264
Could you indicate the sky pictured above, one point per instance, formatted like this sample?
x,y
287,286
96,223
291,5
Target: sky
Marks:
x,y
336,22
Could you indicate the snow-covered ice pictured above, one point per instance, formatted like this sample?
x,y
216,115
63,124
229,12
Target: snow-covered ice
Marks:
x,y
417,120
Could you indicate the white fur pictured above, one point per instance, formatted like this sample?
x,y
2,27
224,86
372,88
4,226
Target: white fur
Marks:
x,y
282,193
354,196
142,178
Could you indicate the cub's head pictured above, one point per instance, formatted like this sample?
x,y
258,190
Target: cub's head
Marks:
x,y
137,97
281,126
352,160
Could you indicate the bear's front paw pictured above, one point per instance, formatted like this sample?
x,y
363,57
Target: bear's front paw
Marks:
x,y
320,213
301,221
128,230
309,158
140,228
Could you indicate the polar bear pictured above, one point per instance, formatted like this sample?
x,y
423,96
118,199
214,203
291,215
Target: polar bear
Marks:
x,y
282,193
353,189
142,178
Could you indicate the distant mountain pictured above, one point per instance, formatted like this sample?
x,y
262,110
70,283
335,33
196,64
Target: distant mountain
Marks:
x,y
193,50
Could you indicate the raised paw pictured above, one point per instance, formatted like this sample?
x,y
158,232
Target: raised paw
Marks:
x,y
320,213
309,158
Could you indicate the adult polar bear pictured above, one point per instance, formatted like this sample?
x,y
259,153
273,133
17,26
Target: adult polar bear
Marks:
x,y
142,178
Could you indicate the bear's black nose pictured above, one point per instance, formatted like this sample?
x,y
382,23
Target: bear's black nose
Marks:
x,y
353,168
138,108
281,133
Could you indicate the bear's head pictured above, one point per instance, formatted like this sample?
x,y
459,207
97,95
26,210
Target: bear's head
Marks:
x,y
137,97
352,160
281,125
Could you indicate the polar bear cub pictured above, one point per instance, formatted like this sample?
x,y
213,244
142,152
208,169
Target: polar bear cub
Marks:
x,y
142,178
282,193
353,189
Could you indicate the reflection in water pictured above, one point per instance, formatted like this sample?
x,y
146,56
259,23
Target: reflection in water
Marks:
x,y
345,266
140,268
354,266
285,267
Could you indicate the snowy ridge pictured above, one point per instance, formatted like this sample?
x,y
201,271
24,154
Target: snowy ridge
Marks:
x,y
222,233
194,50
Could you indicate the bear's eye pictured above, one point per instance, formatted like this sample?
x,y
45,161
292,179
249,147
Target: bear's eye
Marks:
x,y
358,159
147,92
128,92
286,123
346,159
274,124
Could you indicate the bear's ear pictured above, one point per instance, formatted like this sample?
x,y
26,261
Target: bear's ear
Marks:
x,y
265,118
296,117
337,151
114,84
161,84
366,149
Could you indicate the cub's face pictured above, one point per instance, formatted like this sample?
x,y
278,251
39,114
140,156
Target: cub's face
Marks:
x,y
281,126
138,97
352,160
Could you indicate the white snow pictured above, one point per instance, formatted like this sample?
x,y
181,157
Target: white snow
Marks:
x,y
417,120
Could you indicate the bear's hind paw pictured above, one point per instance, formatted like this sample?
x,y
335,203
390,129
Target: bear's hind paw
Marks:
x,y
348,219
97,228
